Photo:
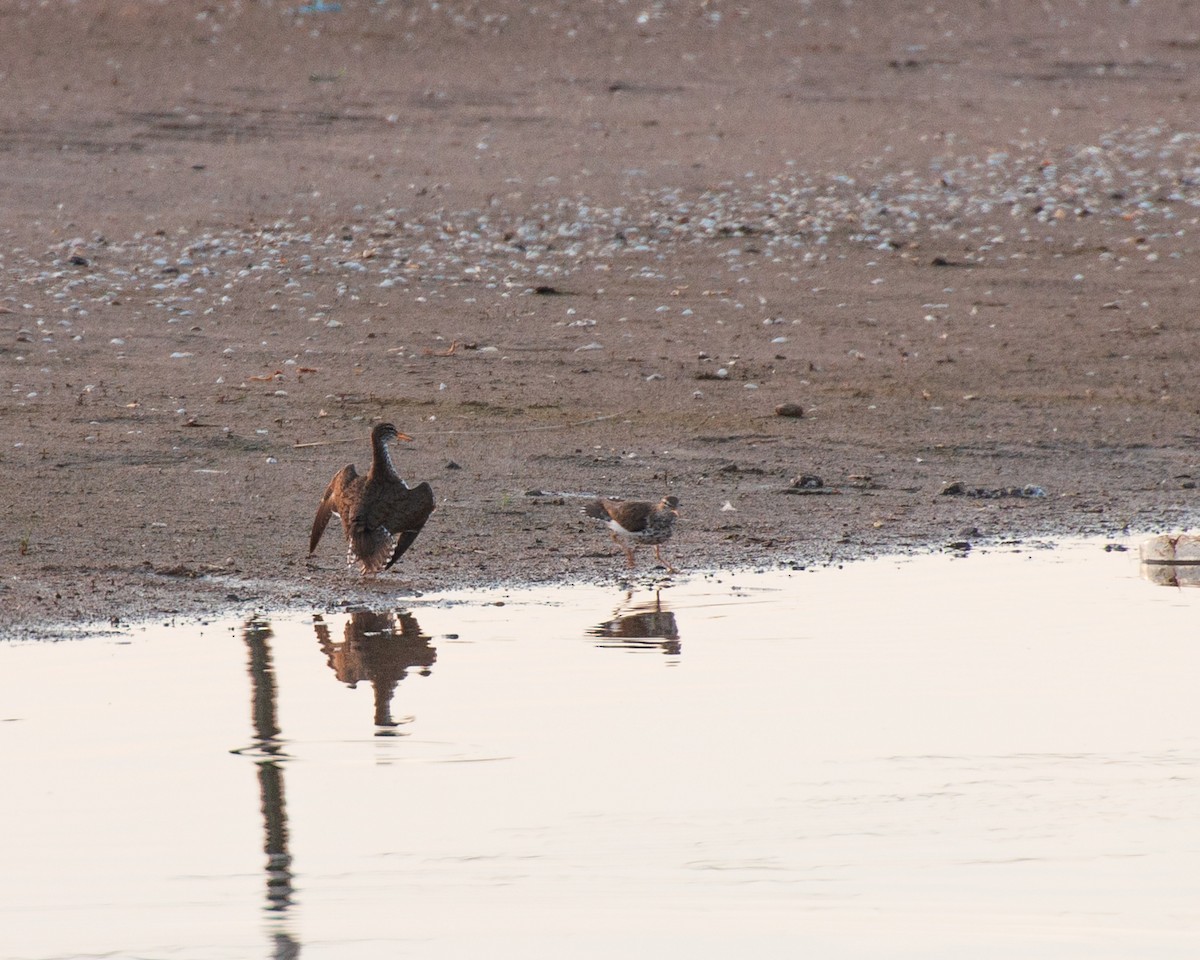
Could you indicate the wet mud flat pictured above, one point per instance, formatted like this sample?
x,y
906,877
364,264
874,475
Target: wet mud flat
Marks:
x,y
576,251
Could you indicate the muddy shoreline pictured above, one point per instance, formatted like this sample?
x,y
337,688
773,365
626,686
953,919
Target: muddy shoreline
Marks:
x,y
582,250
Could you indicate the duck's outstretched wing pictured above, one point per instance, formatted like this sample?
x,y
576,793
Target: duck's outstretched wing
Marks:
x,y
332,501
407,511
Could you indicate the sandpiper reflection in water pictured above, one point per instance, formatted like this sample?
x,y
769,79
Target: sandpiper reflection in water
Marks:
x,y
379,647
641,626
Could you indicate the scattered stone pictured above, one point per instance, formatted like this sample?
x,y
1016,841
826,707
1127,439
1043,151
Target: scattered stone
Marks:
x,y
1171,560
960,489
807,483
178,570
789,410
1180,548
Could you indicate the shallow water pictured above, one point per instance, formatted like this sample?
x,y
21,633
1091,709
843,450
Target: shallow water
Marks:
x,y
995,756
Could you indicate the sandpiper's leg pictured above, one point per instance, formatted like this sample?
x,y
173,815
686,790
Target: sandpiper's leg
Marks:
x,y
663,560
629,554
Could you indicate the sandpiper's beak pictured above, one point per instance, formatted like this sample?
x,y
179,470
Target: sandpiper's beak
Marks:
x,y
400,436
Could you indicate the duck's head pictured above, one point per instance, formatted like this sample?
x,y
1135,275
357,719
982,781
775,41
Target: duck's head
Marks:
x,y
382,432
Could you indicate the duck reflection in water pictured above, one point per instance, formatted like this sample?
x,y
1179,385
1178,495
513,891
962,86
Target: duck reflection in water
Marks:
x,y
641,626
379,647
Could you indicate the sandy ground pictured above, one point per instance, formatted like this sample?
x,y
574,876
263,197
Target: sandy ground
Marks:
x,y
577,248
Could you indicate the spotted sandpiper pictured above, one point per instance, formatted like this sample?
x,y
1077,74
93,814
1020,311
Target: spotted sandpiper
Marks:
x,y
635,523
380,513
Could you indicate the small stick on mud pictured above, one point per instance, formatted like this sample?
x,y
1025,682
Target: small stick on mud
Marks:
x,y
324,443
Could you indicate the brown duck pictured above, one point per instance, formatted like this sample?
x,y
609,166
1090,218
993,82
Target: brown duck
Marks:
x,y
375,509
635,523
